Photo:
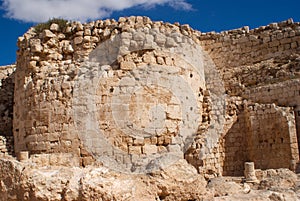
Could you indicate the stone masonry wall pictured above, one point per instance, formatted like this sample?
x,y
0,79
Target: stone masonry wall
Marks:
x,y
261,65
264,134
128,81
234,143
240,47
272,138
247,58
131,90
286,93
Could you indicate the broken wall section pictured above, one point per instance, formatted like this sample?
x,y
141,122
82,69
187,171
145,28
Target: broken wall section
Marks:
x,y
6,109
263,134
249,58
260,65
272,138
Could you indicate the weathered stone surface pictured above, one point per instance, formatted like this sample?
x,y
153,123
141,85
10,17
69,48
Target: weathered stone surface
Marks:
x,y
222,187
278,179
26,182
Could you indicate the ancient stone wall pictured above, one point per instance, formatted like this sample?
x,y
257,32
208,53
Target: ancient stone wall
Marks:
x,y
136,83
263,134
272,139
230,49
136,94
260,65
234,145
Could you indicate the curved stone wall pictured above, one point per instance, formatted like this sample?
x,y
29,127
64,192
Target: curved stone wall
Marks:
x,y
127,93
144,93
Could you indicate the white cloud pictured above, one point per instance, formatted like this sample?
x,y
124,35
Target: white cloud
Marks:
x,y
181,5
83,10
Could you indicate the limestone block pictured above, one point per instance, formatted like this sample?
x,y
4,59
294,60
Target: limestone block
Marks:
x,y
126,42
79,33
122,19
79,26
294,45
53,137
36,46
160,60
174,148
171,125
86,39
160,39
94,39
149,39
169,61
139,36
171,42
162,149
174,112
126,35
54,27
148,58
123,50
154,140
138,141
78,40
149,149
68,49
87,32
133,45
69,143
68,29
32,64
43,118
55,56
134,150
23,155
160,140
106,32
127,65
52,43
48,34
177,37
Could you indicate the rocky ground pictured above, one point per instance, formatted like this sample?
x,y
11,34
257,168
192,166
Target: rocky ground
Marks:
x,y
180,181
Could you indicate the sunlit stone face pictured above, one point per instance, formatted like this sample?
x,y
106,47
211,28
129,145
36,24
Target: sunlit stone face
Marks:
x,y
142,110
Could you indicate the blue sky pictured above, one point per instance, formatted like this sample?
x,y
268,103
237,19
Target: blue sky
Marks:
x,y
16,16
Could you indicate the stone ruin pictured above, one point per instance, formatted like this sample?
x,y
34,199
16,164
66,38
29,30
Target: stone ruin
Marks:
x,y
136,96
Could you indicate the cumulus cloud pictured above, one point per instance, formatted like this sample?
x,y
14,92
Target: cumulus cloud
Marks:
x,y
82,10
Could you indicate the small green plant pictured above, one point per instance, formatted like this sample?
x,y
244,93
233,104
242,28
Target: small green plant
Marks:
x,y
62,23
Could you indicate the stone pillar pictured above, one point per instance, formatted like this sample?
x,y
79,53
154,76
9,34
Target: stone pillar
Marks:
x,y
249,172
23,155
